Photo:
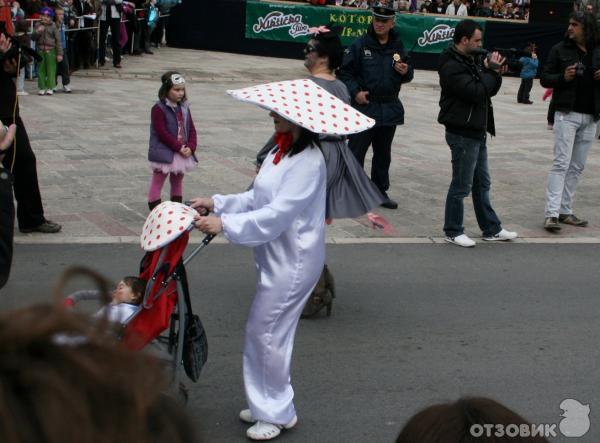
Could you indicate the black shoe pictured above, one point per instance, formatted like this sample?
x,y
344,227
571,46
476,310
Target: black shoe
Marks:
x,y
47,227
572,219
551,224
149,52
153,204
177,198
388,203
528,102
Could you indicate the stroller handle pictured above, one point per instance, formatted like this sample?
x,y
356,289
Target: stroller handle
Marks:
x,y
205,241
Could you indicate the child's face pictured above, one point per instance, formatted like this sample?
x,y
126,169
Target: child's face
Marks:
x,y
46,19
60,16
176,93
123,294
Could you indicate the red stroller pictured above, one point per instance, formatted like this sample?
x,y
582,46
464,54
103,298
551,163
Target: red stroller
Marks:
x,y
166,304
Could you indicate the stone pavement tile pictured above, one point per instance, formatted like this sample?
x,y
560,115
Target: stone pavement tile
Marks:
x,y
92,148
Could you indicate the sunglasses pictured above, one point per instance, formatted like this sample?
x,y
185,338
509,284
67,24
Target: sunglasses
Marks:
x,y
309,48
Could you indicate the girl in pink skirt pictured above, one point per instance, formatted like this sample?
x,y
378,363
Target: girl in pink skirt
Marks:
x,y
172,139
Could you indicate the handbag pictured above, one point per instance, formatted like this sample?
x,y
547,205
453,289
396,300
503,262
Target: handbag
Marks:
x,y
195,347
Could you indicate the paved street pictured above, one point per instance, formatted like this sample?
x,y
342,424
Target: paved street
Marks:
x,y
416,320
92,146
411,325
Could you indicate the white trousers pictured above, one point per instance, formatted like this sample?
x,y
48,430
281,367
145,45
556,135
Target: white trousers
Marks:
x,y
574,134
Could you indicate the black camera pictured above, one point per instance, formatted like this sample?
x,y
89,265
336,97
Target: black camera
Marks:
x,y
579,69
20,54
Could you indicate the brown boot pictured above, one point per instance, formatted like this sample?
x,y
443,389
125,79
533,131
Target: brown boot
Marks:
x,y
153,204
177,198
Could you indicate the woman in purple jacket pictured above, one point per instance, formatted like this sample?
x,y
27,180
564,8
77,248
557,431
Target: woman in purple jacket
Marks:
x,y
172,139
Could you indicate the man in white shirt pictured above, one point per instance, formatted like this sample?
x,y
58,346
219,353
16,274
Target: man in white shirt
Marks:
x,y
457,8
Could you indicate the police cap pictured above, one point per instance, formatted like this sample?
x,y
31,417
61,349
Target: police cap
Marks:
x,y
383,12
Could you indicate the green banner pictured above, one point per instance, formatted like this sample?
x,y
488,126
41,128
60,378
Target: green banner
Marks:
x,y
291,23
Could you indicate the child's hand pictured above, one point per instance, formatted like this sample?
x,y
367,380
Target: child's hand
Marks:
x,y
185,151
59,58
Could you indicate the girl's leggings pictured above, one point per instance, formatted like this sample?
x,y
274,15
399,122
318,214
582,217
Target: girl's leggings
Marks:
x,y
47,70
157,182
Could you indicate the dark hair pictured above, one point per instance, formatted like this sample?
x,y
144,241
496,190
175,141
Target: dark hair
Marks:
x,y
329,45
465,28
167,84
590,27
306,139
452,422
137,286
62,378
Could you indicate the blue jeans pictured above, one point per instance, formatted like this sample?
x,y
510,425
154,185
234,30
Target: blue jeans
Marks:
x,y
469,175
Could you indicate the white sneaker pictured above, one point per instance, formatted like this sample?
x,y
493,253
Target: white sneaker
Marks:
x,y
503,235
461,240
49,92
67,89
268,431
246,416
22,93
42,92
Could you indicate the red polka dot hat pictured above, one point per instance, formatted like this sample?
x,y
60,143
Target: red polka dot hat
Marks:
x,y
165,223
306,104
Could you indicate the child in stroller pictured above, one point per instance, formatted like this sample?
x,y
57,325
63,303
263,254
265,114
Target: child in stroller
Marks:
x,y
125,302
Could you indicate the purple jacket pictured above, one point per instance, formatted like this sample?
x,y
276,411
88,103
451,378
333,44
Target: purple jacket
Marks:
x,y
159,150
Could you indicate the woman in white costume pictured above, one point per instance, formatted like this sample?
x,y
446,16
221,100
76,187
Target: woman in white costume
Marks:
x,y
283,218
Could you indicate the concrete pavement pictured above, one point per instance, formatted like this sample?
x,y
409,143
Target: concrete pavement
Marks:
x,y
91,147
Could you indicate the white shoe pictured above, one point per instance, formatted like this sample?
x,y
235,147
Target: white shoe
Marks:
x,y
49,92
246,416
42,92
268,431
22,93
503,235
67,89
461,240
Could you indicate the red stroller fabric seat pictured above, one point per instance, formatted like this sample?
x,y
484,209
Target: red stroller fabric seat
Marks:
x,y
160,301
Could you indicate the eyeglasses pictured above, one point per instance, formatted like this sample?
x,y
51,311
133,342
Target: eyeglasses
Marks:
x,y
309,48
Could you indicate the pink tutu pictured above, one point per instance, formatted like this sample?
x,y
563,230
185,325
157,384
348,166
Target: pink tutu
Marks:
x,y
179,165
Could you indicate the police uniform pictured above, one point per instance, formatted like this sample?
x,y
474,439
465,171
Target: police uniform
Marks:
x,y
369,66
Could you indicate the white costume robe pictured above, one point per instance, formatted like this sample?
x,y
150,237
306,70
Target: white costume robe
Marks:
x,y
283,219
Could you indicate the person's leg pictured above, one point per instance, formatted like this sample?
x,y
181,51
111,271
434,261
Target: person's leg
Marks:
x,y
115,30
7,223
465,152
488,221
565,129
156,183
359,145
520,93
269,340
527,85
30,212
176,181
584,138
42,72
51,70
102,43
382,156
65,75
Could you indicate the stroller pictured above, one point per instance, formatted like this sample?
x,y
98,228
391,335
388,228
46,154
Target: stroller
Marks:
x,y
166,306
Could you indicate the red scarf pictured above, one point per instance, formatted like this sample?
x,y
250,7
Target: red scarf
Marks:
x,y
284,142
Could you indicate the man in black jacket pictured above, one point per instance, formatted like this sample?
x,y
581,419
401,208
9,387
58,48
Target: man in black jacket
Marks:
x,y
466,111
573,70
374,68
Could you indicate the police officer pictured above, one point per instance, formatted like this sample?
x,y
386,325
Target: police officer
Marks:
x,y
374,68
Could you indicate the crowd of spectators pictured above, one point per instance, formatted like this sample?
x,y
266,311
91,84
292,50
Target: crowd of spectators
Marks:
x,y
502,9
140,24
